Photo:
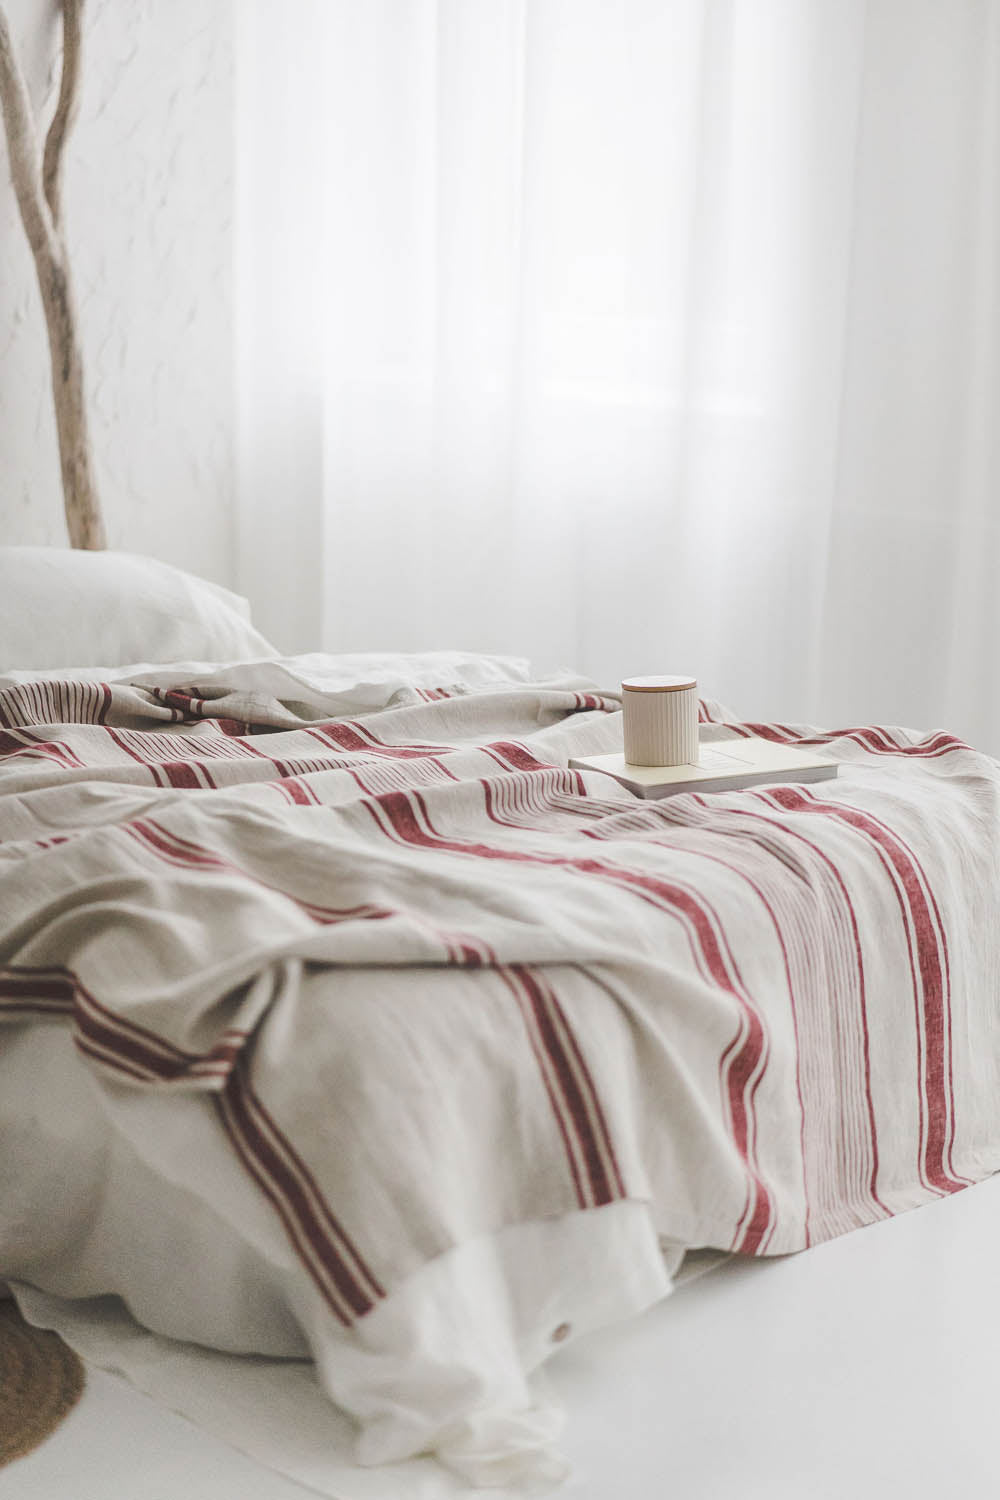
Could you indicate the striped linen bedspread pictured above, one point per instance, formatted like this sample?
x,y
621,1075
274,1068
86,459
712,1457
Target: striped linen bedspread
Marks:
x,y
434,985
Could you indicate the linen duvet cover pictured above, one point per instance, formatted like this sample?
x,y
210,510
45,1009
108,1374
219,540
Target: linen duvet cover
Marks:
x,y
486,1042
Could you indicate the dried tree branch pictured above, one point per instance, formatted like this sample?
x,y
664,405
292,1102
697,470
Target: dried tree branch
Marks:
x,y
37,187
66,108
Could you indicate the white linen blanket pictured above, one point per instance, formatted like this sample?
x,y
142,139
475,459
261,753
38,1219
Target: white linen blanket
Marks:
x,y
770,1016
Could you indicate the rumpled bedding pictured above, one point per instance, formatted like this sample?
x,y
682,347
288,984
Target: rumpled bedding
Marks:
x,y
421,984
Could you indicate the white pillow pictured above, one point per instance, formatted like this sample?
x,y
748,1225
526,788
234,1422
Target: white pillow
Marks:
x,y
66,608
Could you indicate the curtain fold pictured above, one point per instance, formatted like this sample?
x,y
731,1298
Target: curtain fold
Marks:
x,y
654,336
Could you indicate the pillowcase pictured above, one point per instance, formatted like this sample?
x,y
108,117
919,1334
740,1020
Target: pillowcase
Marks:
x,y
65,608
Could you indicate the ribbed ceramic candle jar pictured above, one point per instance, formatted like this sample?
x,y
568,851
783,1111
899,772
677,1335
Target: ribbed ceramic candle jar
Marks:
x,y
660,720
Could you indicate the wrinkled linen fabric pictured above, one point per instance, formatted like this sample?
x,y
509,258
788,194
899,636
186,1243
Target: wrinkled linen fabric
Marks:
x,y
126,1193
430,984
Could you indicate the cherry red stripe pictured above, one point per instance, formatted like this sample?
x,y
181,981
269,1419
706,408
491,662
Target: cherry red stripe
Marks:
x,y
929,978
595,1108
542,1005
285,1180
821,854
512,977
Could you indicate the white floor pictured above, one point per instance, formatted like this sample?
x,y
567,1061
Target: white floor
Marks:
x,y
864,1369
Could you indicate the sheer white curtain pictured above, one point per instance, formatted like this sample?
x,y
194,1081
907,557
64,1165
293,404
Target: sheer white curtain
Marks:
x,y
633,335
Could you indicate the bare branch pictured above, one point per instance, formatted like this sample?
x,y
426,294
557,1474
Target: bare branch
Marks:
x,y
66,108
36,185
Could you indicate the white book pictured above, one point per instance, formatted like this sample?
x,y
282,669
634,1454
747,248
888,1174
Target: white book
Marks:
x,y
722,767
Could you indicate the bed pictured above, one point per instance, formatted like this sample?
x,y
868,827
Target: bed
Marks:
x,y
341,1022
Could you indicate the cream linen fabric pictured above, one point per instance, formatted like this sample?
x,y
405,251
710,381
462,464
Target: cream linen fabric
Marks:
x,y
429,985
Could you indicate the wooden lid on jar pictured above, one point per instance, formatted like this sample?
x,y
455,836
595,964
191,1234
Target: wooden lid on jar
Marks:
x,y
658,684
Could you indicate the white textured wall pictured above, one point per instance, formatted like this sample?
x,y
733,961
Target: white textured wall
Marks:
x,y
149,199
